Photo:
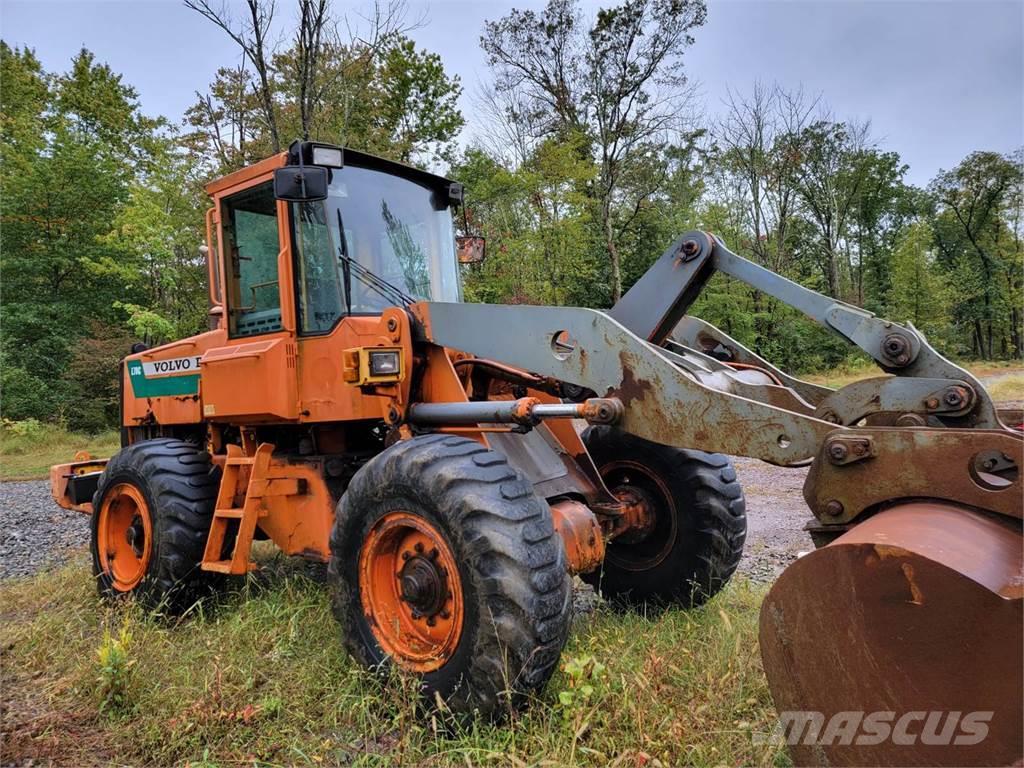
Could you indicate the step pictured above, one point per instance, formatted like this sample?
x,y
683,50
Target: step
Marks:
x,y
232,513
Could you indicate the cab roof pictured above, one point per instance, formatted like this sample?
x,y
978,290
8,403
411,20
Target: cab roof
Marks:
x,y
350,157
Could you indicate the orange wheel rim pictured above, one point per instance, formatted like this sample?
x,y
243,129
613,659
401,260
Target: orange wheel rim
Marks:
x,y
410,591
125,536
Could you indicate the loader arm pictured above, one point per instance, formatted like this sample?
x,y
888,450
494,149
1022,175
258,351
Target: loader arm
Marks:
x,y
675,394
662,402
656,306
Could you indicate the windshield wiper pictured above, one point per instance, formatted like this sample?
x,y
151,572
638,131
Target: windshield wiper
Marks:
x,y
346,270
370,279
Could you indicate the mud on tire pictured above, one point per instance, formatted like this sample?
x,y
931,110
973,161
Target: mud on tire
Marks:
x,y
700,524
516,592
178,485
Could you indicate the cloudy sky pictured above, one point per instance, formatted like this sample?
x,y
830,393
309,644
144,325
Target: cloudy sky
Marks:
x,y
937,78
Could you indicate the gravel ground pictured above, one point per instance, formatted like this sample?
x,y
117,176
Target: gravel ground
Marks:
x,y
776,515
35,533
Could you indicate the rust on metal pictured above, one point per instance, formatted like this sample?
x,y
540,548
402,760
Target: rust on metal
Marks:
x,y
637,517
916,463
411,591
920,610
581,535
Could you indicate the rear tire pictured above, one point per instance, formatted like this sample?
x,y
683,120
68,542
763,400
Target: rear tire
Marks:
x,y
440,500
151,517
699,527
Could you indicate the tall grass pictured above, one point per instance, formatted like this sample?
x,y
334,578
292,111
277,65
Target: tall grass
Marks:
x,y
261,679
28,448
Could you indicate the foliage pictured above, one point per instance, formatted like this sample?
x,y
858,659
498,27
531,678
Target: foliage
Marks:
x,y
95,213
371,89
615,86
115,669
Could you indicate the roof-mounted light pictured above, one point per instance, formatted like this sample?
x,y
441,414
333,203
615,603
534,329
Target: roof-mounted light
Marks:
x,y
329,156
314,153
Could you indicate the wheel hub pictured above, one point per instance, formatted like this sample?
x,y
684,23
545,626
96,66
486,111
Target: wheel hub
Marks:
x,y
637,514
424,584
135,535
410,591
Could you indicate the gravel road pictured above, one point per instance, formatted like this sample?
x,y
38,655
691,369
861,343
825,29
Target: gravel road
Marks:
x,y
35,533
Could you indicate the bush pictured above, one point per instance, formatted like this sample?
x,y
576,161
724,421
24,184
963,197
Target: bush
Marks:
x,y
24,396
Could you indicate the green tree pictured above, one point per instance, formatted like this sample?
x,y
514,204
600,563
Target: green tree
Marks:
x,y
618,82
977,231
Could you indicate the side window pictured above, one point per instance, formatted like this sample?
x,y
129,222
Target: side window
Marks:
x,y
320,295
251,246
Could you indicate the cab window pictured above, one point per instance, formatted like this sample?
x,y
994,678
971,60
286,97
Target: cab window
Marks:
x,y
251,245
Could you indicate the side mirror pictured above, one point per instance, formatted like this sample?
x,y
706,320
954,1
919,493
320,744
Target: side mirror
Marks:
x,y
470,249
300,184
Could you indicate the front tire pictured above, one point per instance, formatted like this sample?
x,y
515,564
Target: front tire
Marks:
x,y
446,564
151,516
699,521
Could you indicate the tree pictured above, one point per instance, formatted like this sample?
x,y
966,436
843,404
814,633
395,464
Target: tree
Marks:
x,y
250,34
976,204
90,186
920,290
375,91
619,82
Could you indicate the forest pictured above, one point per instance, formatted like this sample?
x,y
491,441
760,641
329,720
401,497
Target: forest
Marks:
x,y
587,154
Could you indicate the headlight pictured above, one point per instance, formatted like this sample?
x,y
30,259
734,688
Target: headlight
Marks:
x,y
384,363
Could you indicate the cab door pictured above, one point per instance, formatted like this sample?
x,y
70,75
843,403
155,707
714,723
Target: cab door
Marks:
x,y
253,377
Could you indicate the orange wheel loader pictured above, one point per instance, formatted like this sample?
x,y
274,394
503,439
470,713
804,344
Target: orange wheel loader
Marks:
x,y
455,464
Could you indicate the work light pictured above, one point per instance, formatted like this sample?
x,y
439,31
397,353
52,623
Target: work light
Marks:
x,y
329,156
383,363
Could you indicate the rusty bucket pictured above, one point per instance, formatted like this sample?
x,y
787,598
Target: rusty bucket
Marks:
x,y
901,643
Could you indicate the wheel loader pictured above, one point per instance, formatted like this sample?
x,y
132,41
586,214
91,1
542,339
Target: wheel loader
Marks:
x,y
456,464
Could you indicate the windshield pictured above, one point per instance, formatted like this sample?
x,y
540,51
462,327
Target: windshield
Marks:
x,y
395,228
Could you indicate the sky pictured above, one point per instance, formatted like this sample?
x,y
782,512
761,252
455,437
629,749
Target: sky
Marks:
x,y
937,78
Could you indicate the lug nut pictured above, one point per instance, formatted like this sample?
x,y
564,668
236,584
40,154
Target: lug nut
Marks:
x,y
419,548
431,621
445,613
406,555
834,508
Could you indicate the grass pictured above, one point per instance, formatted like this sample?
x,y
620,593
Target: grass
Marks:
x,y
27,449
1007,388
261,679
856,370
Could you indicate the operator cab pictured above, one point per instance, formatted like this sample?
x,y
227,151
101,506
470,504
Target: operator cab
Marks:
x,y
366,234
